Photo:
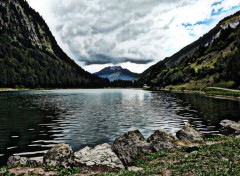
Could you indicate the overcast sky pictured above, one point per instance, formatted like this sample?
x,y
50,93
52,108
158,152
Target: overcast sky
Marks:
x,y
132,33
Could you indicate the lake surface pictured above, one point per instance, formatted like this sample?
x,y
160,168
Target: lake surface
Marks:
x,y
31,122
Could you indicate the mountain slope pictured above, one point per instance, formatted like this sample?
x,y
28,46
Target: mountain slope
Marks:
x,y
212,59
30,55
117,73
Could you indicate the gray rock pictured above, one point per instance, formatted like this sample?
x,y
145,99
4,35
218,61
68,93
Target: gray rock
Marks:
x,y
37,161
189,133
59,155
160,140
17,160
101,155
129,146
229,127
135,169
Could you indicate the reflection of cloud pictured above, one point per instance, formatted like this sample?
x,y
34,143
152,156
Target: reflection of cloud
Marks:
x,y
134,29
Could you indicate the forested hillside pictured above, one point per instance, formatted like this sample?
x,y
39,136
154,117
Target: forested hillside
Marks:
x,y
212,60
30,56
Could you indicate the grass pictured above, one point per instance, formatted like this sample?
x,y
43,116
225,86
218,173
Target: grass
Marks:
x,y
208,64
228,84
218,159
3,89
205,89
186,86
211,91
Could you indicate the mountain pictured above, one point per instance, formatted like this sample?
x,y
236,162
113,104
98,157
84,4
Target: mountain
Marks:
x,y
117,73
212,60
30,55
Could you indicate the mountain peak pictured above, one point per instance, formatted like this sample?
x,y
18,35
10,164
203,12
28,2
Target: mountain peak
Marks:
x,y
115,68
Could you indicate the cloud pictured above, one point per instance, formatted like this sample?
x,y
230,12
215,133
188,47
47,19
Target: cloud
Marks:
x,y
104,59
136,31
118,29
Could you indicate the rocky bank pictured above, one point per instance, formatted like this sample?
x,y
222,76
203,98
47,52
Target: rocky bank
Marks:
x,y
120,156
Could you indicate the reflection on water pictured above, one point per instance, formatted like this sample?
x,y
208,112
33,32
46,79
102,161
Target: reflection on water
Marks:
x,y
31,122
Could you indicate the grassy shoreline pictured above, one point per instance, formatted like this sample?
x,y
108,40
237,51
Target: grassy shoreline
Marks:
x,y
232,94
13,89
217,156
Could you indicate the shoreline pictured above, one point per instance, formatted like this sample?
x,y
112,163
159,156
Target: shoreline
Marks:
x,y
8,90
185,91
206,93
37,89
223,97
157,153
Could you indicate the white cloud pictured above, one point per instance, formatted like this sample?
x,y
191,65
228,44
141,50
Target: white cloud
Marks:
x,y
128,31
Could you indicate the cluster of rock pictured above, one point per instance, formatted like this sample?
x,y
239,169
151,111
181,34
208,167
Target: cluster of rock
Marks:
x,y
124,150
229,127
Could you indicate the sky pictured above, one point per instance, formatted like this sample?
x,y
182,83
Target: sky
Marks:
x,y
134,34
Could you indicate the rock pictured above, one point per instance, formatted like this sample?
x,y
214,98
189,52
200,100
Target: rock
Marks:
x,y
101,155
166,172
160,140
189,133
59,155
135,169
37,161
129,146
229,127
17,160
22,161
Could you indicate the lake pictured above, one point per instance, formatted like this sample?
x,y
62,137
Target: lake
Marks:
x,y
31,122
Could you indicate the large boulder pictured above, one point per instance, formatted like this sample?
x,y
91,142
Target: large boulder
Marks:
x,y
189,133
101,155
160,140
129,146
59,155
228,127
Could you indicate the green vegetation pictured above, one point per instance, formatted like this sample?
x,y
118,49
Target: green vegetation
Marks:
x,y
30,56
212,91
228,84
203,89
63,171
212,60
221,158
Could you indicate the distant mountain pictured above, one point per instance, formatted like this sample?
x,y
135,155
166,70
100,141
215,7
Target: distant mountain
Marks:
x,y
213,59
30,55
117,73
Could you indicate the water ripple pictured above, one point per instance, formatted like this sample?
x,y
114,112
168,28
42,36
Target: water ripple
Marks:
x,y
42,119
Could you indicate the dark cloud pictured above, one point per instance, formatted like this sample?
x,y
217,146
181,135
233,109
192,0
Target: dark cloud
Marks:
x,y
104,59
